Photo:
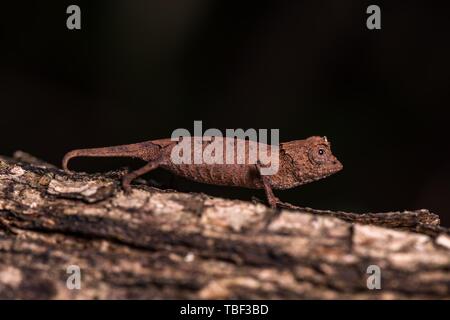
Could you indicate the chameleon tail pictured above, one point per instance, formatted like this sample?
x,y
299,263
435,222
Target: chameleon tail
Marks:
x,y
143,150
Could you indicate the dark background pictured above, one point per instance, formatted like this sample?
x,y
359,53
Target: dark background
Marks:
x,y
137,70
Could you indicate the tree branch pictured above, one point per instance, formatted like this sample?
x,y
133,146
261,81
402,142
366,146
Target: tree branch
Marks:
x,y
166,244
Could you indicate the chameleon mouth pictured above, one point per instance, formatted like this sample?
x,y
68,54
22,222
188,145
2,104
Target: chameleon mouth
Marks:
x,y
318,177
337,166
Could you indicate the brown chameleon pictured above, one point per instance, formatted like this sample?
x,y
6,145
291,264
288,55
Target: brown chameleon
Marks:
x,y
299,162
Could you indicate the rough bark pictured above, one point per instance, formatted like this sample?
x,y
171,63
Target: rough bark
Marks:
x,y
166,244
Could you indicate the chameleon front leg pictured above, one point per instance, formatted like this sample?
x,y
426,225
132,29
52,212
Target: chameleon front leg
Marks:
x,y
128,178
271,198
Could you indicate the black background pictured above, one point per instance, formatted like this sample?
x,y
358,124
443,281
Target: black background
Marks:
x,y
137,70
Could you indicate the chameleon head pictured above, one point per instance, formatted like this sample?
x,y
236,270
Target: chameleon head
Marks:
x,y
312,159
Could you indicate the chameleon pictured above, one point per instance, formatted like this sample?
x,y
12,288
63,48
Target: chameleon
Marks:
x,y
299,162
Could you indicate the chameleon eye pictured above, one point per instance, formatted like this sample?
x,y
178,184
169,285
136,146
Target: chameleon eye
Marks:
x,y
318,154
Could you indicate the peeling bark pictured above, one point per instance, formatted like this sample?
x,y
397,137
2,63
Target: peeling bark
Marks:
x,y
166,244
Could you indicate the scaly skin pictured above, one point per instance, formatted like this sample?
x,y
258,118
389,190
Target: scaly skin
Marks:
x,y
300,162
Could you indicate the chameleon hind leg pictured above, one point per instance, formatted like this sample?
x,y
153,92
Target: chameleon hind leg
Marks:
x,y
128,178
